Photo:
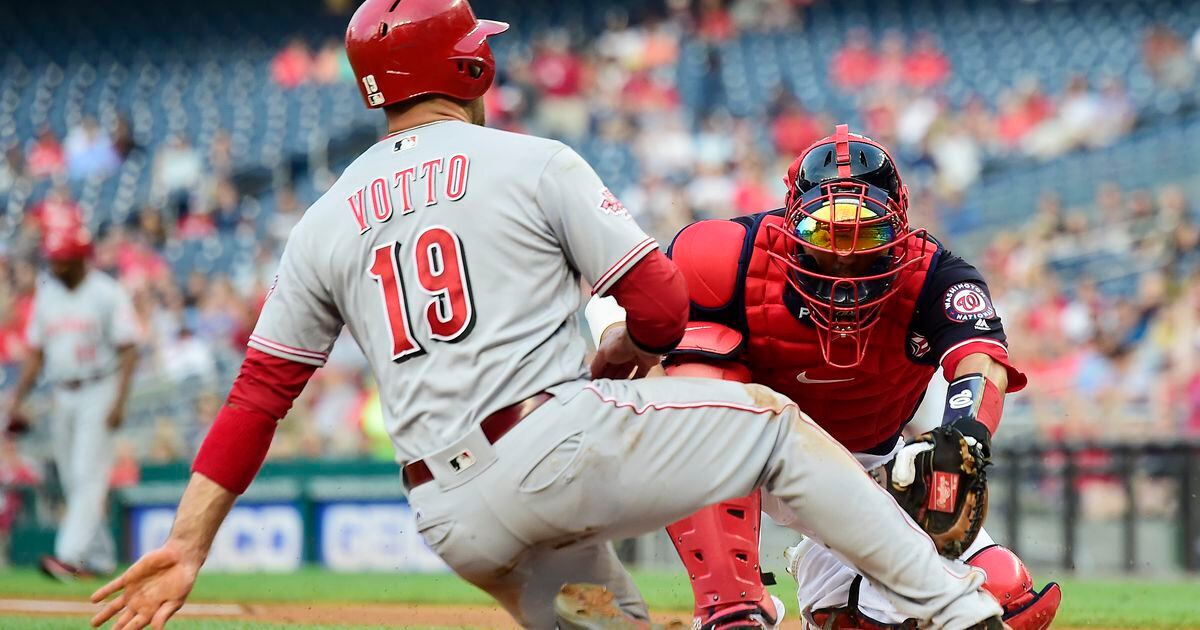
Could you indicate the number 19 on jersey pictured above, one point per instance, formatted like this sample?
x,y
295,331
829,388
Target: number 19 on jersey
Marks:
x,y
440,267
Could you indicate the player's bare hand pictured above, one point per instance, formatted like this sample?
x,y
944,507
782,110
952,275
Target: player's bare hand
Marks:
x,y
150,591
18,423
618,357
115,417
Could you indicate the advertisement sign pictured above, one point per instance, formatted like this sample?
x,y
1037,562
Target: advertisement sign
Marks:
x,y
262,537
372,536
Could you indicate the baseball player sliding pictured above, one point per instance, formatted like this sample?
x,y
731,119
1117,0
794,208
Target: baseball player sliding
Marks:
x,y
453,254
83,338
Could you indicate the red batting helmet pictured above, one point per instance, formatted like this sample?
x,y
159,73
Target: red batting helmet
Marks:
x,y
401,49
67,243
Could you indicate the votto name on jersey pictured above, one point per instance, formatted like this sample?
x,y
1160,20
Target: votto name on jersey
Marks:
x,y
425,183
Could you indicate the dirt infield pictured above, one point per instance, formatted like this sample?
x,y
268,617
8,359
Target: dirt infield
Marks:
x,y
382,615
392,615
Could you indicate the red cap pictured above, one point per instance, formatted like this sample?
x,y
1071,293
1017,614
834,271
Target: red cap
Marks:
x,y
67,243
401,49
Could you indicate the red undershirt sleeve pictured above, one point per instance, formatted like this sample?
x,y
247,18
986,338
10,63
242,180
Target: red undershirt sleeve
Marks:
x,y
655,298
237,443
998,352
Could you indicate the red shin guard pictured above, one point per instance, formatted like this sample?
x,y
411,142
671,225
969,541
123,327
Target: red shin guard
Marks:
x,y
719,548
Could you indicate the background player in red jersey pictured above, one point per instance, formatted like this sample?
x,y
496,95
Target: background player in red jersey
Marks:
x,y
837,302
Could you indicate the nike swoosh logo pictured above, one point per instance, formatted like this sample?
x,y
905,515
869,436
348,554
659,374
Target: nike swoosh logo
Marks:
x,y
801,377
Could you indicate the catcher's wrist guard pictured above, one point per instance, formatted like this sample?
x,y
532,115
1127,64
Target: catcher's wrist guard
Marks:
x,y
940,480
973,406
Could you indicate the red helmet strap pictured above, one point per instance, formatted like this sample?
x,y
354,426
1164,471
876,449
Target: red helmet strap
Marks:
x,y
841,148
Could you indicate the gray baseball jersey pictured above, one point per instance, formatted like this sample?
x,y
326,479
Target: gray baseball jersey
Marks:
x,y
80,330
452,253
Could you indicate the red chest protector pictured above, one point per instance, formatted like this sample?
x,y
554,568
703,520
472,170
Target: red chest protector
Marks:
x,y
861,407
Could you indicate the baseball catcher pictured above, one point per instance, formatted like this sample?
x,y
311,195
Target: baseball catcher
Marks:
x,y
836,301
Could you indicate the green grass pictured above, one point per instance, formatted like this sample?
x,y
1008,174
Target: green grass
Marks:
x,y
1134,603
306,585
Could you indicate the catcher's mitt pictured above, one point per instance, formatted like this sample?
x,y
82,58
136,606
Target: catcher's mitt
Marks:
x,y
939,479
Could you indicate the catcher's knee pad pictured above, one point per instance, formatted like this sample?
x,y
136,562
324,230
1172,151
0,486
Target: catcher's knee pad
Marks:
x,y
719,548
1010,583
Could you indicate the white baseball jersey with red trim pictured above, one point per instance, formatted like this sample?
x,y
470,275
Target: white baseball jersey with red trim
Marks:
x,y
452,253
79,330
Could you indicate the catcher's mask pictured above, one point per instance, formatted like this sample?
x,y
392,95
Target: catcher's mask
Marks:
x,y
848,239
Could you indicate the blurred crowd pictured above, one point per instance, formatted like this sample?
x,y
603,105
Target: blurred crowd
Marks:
x,y
1102,308
1101,364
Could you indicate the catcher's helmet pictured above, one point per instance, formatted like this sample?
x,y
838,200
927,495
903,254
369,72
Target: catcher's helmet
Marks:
x,y
67,243
843,156
847,205
401,49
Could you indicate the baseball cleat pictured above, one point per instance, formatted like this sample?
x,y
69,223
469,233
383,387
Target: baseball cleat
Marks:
x,y
744,616
593,607
63,571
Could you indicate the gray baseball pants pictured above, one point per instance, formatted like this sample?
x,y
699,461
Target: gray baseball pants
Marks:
x,y
613,459
83,454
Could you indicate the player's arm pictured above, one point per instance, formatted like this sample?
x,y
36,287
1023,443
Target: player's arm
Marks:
x,y
124,334
127,356
940,477
155,587
30,369
975,398
295,330
706,254
608,249
230,457
651,302
965,330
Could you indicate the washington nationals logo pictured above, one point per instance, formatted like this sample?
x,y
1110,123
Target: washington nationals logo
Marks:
x,y
966,301
961,400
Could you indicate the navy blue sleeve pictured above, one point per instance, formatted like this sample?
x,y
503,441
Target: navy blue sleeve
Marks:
x,y
955,306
